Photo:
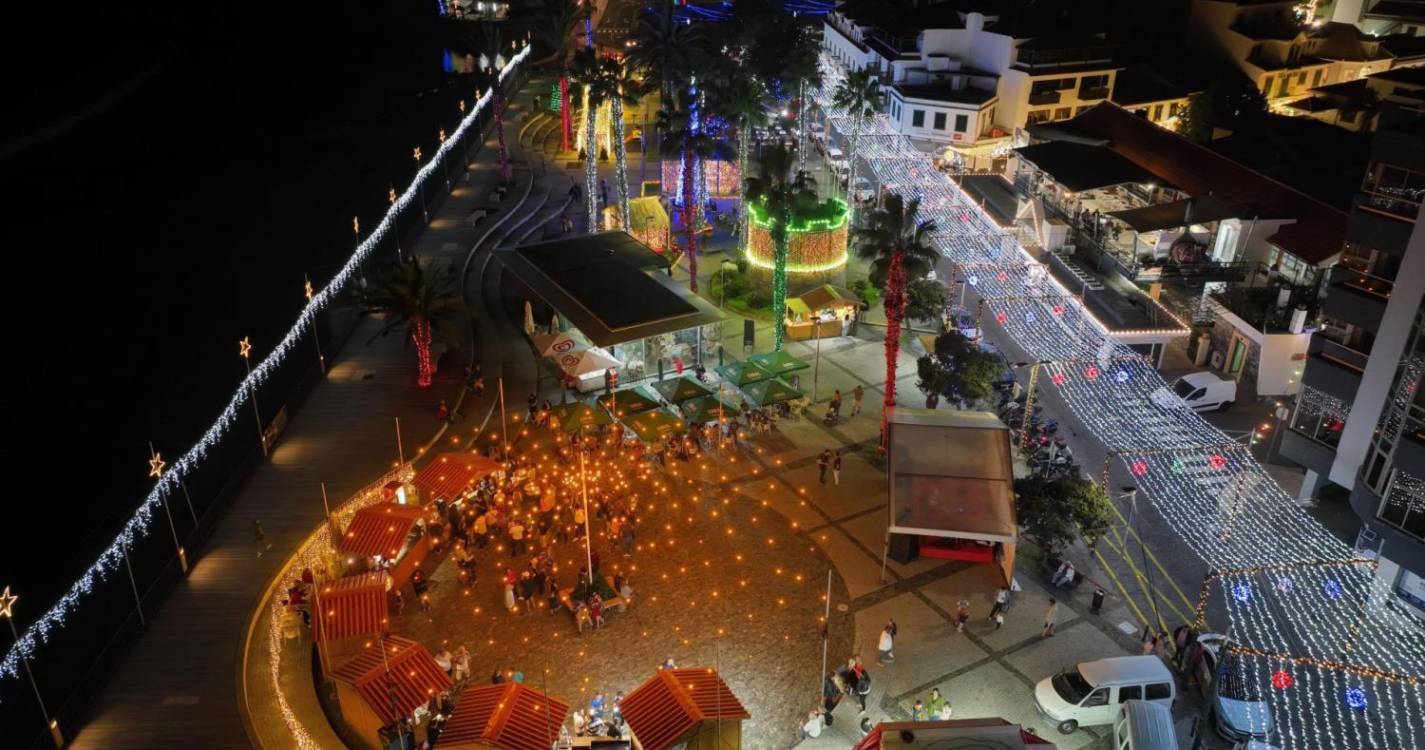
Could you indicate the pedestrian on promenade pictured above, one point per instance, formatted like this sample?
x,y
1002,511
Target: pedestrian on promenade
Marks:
x,y
811,727
934,704
823,461
400,601
517,545
962,615
866,726
917,712
259,539
533,402
1001,602
836,468
1064,575
442,412
836,403
566,225
863,685
885,649
1050,615
603,191
858,394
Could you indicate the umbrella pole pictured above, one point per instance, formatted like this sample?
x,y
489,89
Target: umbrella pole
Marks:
x,y
588,539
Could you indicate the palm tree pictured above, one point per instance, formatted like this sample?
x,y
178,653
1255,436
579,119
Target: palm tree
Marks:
x,y
666,50
684,139
589,73
743,100
492,45
621,88
860,95
556,32
899,250
802,68
424,306
781,193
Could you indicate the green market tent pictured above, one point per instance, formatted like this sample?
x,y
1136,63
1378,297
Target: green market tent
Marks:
x,y
706,409
651,426
579,415
770,392
778,363
744,373
680,389
628,401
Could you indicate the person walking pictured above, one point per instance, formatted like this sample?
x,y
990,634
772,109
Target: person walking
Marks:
x,y
836,468
259,539
1050,615
1001,602
823,461
442,412
863,684
962,615
885,648
517,545
836,403
858,394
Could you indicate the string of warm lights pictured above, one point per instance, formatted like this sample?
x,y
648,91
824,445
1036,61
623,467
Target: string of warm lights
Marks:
x,y
171,481
1329,660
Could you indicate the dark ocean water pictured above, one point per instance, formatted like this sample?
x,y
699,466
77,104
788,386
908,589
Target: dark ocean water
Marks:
x,y
170,171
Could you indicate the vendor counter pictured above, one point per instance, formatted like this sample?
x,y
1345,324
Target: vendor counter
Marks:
x,y
808,330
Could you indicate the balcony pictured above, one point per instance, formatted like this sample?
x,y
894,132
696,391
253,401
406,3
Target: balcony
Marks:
x,y
1044,97
1306,452
1357,298
1333,369
1372,226
1064,57
1097,92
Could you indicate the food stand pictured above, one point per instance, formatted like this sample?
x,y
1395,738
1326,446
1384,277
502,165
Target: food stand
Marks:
x,y
375,689
387,536
689,708
349,607
823,312
450,475
507,716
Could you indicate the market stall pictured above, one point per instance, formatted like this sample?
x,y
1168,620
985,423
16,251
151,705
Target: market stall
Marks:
x,y
387,683
707,409
689,708
450,475
769,392
823,312
507,716
649,223
387,536
345,608
585,369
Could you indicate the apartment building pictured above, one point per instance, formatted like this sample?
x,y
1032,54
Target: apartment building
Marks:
x,y
1382,17
1359,422
1281,54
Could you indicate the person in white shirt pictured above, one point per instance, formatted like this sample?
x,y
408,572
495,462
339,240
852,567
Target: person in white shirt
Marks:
x,y
885,646
813,725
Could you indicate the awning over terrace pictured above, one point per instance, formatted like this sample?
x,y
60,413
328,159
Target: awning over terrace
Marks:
x,y
1177,214
1079,167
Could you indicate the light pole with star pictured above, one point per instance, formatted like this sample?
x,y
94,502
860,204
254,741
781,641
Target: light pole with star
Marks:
x,y
155,470
7,612
245,351
316,339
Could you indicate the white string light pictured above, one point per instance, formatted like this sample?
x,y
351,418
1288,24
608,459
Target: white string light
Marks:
x,y
1298,602
112,557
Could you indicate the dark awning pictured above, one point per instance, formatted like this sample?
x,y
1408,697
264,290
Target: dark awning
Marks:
x,y
1176,214
1079,167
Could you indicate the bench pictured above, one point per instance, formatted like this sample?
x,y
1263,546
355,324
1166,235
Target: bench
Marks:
x,y
613,603
476,216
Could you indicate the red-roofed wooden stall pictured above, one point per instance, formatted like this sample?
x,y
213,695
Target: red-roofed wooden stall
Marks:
x,y
449,475
508,716
362,691
382,529
979,732
348,607
685,705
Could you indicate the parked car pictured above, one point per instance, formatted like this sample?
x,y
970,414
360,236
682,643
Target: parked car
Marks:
x,y
1090,694
864,191
1199,391
1236,715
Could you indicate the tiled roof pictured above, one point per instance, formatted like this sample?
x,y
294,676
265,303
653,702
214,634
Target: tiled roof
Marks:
x,y
355,605
509,716
414,677
664,709
379,529
450,474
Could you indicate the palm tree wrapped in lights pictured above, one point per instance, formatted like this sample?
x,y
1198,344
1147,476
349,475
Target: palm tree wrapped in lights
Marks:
x,y
621,88
491,46
424,305
589,73
556,33
683,138
860,96
743,99
898,247
781,194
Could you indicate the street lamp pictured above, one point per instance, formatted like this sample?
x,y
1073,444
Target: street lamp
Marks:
x,y
396,221
245,351
420,186
316,339
446,172
155,470
7,612
1029,399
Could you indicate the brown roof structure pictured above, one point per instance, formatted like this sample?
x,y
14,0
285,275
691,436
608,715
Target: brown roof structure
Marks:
x,y
663,710
508,716
394,683
450,474
351,606
379,529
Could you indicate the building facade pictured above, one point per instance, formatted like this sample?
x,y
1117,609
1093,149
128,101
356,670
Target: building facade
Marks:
x,y
1359,422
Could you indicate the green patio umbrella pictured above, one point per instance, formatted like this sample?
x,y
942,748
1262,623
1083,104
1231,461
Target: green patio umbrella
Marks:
x,y
770,392
778,363
744,373
706,409
653,425
680,389
579,415
628,401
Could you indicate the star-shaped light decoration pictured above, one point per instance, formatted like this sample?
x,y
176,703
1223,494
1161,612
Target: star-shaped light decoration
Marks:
x,y
7,603
307,285
417,153
245,348
356,225
442,135
155,465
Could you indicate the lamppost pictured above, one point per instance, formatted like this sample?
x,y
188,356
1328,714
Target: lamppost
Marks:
x,y
245,351
316,338
395,220
155,470
443,169
420,186
1029,399
7,612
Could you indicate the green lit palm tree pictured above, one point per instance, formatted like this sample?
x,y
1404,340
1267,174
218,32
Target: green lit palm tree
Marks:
x,y
589,74
779,193
685,139
860,96
742,99
898,247
555,30
620,87
424,306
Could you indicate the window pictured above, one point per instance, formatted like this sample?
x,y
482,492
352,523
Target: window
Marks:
x,y
1157,112
1130,693
1096,698
1301,78
1316,78
1267,85
1284,85
917,118
939,120
1093,87
1038,116
1160,691
1393,189
1063,113
1174,108
961,123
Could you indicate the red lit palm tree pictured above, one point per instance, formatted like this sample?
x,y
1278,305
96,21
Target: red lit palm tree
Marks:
x,y
684,138
424,306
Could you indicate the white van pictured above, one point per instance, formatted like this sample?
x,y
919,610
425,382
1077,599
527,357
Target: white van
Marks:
x,y
1144,726
1090,694
1199,391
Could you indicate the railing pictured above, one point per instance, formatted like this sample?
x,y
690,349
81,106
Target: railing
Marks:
x,y
1044,97
1401,205
1096,92
1036,57
1342,356
1365,283
1402,505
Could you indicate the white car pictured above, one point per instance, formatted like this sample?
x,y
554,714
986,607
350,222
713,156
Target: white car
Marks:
x,y
1235,714
1199,391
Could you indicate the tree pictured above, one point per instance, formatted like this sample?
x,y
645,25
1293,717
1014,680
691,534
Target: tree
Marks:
x,y
492,45
926,300
667,51
802,68
684,138
859,94
958,369
556,31
424,306
1058,512
898,247
782,194
620,88
589,73
743,100
1231,101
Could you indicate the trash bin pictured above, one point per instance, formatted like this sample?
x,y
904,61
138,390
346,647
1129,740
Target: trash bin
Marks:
x,y
1096,606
